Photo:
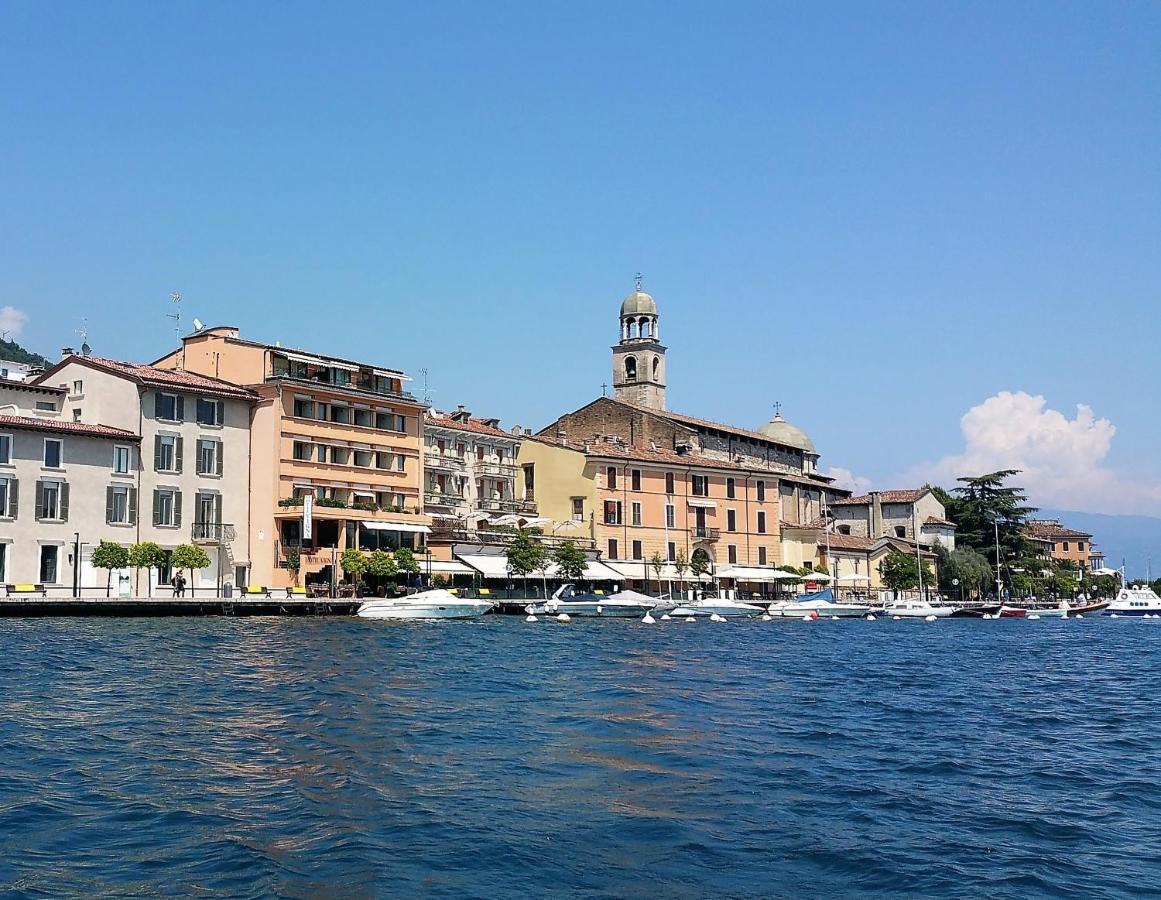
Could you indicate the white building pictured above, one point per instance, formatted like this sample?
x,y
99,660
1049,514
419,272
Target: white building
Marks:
x,y
189,461
909,515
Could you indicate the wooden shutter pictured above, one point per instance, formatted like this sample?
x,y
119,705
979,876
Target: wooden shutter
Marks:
x,y
177,445
221,453
40,500
179,404
156,506
157,453
108,506
218,509
132,504
177,506
220,408
157,405
13,497
64,501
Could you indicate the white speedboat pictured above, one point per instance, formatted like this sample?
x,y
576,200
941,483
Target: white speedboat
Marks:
x,y
821,604
917,609
1134,601
434,604
622,605
716,606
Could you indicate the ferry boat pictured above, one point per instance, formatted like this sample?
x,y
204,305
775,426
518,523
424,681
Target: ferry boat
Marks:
x,y
1134,601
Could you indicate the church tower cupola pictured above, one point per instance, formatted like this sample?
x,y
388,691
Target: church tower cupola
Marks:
x,y
639,357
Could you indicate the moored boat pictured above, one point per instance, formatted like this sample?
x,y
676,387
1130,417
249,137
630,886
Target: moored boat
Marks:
x,y
917,609
566,599
433,604
1134,601
720,605
820,604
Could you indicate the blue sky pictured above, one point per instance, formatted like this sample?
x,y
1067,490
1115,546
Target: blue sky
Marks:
x,y
880,214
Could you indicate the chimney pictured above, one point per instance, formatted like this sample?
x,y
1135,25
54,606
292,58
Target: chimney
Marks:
x,y
561,437
528,432
876,514
66,352
461,414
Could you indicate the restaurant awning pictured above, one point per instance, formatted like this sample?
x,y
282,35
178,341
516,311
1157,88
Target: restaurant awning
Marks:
x,y
409,527
704,504
755,574
636,570
490,566
447,567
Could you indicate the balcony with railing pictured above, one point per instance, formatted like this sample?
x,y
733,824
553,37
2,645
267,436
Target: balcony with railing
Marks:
x,y
508,506
502,470
704,533
212,533
442,500
444,462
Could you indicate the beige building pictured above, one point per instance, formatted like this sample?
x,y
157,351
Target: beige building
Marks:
x,y
895,514
1062,544
189,465
64,487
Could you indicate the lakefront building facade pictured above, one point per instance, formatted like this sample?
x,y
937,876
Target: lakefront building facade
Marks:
x,y
643,482
345,433
183,479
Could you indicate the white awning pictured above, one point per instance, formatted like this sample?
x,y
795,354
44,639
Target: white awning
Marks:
x,y
446,567
409,527
757,574
703,504
599,571
316,360
489,566
636,569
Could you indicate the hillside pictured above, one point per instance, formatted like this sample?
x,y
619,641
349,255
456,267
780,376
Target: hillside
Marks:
x,y
13,352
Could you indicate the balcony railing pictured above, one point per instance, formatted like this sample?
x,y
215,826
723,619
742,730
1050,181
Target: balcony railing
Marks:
x,y
488,536
702,533
443,462
212,533
439,499
502,469
508,506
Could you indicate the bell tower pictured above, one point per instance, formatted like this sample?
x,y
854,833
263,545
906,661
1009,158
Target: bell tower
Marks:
x,y
639,357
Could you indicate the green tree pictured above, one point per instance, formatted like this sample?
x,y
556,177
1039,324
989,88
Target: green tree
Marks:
x,y
699,563
658,564
110,556
680,565
146,555
293,562
382,564
189,557
900,572
570,560
973,571
353,563
525,554
981,503
406,561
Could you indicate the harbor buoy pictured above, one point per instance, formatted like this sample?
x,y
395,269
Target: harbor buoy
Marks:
x,y
531,618
895,618
665,617
600,609
563,617
1033,616
834,618
648,620
716,618
870,618
690,619
766,617
1079,616
929,618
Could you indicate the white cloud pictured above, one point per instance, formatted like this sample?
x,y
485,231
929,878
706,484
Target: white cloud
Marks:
x,y
1061,459
845,478
12,320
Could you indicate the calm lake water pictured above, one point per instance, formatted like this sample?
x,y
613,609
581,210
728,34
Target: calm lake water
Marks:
x,y
339,757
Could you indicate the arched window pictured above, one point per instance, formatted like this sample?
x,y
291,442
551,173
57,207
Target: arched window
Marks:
x,y
630,368
643,327
656,367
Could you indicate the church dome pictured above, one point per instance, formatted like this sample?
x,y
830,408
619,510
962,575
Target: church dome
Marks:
x,y
781,431
638,303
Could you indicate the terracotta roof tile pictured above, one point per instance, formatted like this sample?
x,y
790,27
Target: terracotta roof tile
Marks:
x,y
935,520
1051,529
155,377
58,426
846,541
905,496
476,426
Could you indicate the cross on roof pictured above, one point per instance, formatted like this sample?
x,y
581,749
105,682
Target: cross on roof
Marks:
x,y
777,408
637,280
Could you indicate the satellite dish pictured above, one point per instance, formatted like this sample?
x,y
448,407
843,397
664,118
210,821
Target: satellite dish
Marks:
x,y
198,326
86,350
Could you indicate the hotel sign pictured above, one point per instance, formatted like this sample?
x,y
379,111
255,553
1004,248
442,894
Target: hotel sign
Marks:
x,y
307,517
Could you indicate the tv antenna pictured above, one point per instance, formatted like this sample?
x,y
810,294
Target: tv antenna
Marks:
x,y
175,297
83,334
426,390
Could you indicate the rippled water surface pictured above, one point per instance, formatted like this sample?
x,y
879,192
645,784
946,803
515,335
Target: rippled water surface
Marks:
x,y
339,757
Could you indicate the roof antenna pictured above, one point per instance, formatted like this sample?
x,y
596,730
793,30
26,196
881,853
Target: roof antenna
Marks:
x,y
176,314
426,389
83,334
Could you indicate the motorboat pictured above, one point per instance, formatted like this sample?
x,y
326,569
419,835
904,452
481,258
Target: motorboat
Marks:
x,y
1064,610
719,605
820,603
917,609
1134,601
566,599
433,604
976,611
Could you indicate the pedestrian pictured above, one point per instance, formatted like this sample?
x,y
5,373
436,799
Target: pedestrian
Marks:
x,y
179,585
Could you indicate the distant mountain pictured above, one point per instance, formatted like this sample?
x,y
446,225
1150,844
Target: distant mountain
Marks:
x,y
1130,538
13,352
